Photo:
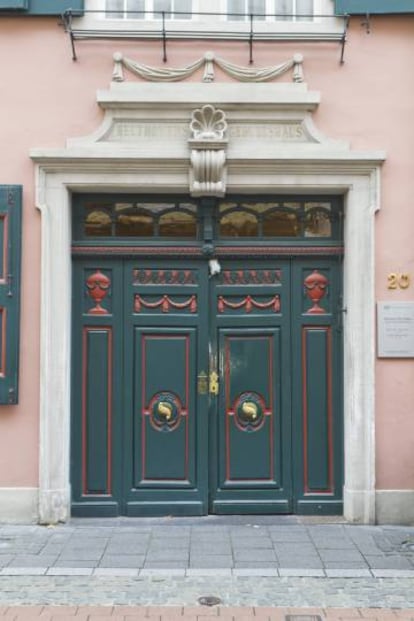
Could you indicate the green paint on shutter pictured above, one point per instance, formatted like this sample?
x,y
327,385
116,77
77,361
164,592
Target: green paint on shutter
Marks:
x,y
10,250
55,7
358,7
12,5
43,7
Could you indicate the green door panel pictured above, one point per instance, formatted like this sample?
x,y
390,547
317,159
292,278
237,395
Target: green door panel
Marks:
x,y
251,409
97,388
317,402
97,361
251,420
165,466
165,406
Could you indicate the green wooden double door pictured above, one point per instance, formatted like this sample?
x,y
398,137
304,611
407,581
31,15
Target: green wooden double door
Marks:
x,y
202,387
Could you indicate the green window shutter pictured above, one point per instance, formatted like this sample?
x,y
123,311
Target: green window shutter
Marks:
x,y
13,5
43,7
358,7
10,250
55,7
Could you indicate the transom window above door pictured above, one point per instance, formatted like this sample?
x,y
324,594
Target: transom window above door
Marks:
x,y
139,219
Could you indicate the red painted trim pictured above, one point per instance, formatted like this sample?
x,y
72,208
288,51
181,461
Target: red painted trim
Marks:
x,y
165,302
163,277
251,277
249,303
3,355
196,251
271,413
109,416
330,489
186,405
230,412
3,276
138,251
84,412
330,413
255,251
84,426
146,410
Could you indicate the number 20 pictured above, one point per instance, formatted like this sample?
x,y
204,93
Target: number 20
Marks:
x,y
398,281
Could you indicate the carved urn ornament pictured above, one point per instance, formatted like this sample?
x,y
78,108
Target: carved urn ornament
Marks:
x,y
97,286
315,288
208,158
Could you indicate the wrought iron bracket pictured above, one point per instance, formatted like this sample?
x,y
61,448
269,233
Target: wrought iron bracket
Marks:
x,y
76,33
343,39
367,23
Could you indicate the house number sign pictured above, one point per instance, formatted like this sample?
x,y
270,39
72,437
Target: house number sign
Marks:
x,y
395,329
398,281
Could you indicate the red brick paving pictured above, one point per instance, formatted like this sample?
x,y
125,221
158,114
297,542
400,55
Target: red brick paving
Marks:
x,y
195,613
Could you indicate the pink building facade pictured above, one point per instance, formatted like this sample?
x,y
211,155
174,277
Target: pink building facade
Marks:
x,y
295,129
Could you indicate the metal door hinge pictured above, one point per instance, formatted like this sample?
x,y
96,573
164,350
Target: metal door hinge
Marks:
x,y
202,383
12,395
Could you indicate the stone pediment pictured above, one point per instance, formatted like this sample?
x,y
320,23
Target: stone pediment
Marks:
x,y
158,122
154,119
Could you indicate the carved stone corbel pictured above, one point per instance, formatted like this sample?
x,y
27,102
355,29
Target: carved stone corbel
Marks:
x,y
208,156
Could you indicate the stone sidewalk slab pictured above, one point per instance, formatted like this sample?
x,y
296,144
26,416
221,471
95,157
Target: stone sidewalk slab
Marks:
x,y
283,572
283,544
69,571
206,571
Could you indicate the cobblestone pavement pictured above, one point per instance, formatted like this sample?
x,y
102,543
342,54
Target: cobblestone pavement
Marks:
x,y
235,591
280,545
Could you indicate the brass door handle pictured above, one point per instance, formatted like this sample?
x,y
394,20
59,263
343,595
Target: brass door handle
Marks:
x,y
214,383
165,410
249,409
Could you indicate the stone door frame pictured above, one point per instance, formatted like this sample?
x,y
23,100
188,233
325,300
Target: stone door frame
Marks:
x,y
320,166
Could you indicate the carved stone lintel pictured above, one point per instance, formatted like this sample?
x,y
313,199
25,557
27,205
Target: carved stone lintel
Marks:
x,y
208,157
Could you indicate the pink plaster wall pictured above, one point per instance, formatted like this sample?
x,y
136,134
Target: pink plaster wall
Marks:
x,y
368,101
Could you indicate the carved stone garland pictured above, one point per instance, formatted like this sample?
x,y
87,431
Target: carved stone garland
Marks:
x,y
242,74
208,157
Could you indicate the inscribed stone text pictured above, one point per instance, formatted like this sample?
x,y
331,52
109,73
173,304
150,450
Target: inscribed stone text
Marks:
x,y
281,132
130,132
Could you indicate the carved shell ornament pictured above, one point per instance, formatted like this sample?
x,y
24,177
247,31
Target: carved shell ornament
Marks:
x,y
207,123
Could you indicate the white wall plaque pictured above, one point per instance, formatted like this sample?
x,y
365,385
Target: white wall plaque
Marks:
x,y
395,329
